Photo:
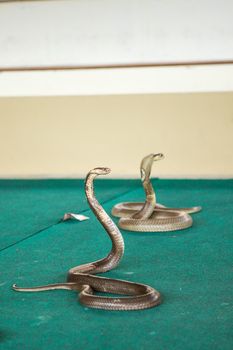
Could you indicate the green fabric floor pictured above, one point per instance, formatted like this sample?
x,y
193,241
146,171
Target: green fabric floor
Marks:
x,y
28,206
192,268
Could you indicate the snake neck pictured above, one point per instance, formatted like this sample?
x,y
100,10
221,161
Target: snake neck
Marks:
x,y
117,251
150,202
145,168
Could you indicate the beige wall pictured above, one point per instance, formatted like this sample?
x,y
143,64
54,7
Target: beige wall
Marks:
x,y
66,136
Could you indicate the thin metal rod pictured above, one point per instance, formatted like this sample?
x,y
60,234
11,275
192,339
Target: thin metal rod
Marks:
x,y
115,66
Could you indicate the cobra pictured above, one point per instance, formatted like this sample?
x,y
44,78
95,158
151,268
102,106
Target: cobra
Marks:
x,y
151,216
81,278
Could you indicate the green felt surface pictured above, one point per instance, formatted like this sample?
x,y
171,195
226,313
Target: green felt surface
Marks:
x,y
28,206
192,269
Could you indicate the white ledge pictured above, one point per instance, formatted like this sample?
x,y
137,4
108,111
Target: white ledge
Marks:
x,y
110,81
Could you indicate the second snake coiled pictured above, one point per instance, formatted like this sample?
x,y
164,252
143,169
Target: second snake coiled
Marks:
x,y
151,216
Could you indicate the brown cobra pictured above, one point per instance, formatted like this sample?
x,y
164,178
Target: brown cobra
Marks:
x,y
151,216
80,278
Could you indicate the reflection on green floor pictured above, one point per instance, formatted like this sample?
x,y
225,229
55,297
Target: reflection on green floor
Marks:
x,y
192,269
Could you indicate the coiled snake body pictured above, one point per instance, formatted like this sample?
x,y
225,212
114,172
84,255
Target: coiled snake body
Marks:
x,y
151,216
81,278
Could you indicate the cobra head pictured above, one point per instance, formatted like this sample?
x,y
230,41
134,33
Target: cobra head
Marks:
x,y
100,171
146,164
